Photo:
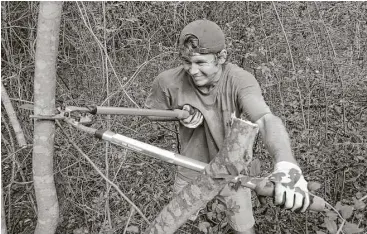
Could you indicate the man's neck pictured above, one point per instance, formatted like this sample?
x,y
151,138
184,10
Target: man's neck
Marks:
x,y
207,88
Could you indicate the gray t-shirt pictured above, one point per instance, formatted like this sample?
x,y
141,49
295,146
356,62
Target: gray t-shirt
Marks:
x,y
237,91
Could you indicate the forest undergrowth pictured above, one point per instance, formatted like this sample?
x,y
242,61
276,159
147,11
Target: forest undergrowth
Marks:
x,y
309,58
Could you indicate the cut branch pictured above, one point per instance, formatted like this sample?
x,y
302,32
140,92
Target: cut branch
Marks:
x,y
235,152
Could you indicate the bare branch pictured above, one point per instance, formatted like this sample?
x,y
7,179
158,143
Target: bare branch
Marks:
x,y
12,117
101,173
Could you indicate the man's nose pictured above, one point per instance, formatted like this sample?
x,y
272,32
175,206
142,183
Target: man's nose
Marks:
x,y
194,69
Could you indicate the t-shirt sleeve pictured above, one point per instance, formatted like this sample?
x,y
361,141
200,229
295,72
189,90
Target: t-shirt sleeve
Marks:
x,y
250,99
159,96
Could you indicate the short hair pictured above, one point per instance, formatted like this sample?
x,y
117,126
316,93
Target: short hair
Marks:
x,y
189,46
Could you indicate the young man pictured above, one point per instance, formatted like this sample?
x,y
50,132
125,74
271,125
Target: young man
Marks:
x,y
215,89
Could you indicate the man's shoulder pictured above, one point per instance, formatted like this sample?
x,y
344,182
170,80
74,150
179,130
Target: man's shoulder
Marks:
x,y
171,76
237,72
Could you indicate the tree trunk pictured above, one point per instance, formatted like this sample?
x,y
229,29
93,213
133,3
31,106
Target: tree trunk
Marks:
x,y
44,104
236,152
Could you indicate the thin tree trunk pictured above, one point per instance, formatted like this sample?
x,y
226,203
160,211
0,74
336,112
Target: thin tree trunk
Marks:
x,y
12,117
44,104
236,153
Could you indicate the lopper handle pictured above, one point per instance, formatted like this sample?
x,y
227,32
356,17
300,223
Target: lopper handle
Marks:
x,y
179,114
107,110
265,187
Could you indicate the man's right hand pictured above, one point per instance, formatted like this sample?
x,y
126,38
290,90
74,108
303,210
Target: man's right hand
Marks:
x,y
194,120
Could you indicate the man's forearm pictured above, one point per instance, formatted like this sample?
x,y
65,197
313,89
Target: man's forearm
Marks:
x,y
276,138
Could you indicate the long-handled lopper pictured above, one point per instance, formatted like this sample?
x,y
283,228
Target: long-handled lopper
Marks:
x,y
262,186
103,110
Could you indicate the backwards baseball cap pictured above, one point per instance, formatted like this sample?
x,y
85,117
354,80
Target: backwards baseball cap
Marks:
x,y
210,36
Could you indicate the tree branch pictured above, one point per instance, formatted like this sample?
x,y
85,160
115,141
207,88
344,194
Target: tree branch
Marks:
x,y
101,173
12,117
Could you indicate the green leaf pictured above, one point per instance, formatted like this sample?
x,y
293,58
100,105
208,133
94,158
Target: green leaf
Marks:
x,y
351,228
346,211
330,225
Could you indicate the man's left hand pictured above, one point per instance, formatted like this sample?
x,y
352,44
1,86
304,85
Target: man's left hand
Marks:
x,y
194,120
290,186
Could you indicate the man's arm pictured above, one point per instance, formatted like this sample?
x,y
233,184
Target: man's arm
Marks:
x,y
276,138
290,185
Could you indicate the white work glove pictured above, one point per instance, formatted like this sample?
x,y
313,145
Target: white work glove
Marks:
x,y
290,186
194,120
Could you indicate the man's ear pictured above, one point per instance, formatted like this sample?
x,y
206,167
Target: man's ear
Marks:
x,y
222,57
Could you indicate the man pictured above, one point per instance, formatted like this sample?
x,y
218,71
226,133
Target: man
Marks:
x,y
212,89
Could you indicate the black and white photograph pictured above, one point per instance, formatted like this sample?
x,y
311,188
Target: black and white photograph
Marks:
x,y
183,117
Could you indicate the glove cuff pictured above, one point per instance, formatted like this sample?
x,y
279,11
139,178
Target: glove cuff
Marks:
x,y
286,166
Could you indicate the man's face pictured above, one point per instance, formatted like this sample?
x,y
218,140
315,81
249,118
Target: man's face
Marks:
x,y
201,67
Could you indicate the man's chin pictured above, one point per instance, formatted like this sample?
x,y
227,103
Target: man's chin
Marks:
x,y
199,84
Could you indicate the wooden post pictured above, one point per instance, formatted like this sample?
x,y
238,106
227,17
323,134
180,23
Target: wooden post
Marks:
x,y
44,104
235,152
